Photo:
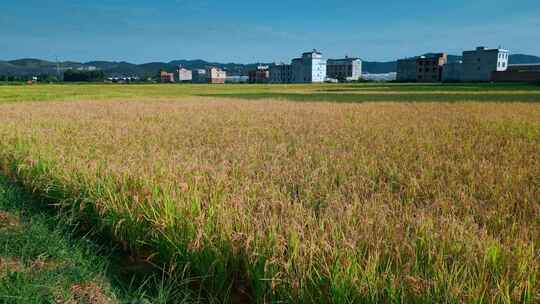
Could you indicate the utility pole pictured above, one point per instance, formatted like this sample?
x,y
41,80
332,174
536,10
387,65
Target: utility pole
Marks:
x,y
58,70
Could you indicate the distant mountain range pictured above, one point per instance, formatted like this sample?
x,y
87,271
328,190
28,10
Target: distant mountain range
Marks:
x,y
28,67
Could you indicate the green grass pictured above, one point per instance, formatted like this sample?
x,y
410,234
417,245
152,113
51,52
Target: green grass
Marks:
x,y
387,97
423,87
42,261
296,92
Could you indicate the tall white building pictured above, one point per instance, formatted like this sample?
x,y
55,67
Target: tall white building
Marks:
x,y
479,65
310,68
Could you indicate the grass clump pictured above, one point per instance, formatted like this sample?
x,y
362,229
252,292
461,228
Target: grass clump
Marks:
x,y
42,261
38,265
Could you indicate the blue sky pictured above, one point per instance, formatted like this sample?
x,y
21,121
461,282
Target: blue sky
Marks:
x,y
261,31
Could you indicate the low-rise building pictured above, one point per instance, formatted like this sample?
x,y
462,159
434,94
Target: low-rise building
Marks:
x,y
236,79
260,75
479,65
166,77
518,73
280,73
430,67
528,67
310,68
87,68
380,76
215,75
427,68
346,69
185,75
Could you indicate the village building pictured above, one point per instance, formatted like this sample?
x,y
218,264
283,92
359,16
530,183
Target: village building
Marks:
x,y
480,64
260,75
199,76
215,75
427,68
310,68
166,77
280,73
346,69
185,75
407,70
518,73
451,71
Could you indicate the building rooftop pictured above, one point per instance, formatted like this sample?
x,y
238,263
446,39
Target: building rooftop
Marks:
x,y
482,48
312,52
345,59
425,56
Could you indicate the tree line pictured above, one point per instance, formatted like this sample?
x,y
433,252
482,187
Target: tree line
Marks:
x,y
69,76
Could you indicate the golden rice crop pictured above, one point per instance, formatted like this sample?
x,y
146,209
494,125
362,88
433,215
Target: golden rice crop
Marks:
x,y
301,202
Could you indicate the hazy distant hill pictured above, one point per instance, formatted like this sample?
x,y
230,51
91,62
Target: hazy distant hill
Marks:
x,y
30,66
26,67
379,67
521,59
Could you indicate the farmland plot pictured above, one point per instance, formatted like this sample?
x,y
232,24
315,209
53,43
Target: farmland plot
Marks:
x,y
311,202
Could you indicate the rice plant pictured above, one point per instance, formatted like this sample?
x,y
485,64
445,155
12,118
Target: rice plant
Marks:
x,y
277,201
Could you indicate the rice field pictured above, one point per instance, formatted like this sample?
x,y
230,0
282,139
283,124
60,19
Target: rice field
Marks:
x,y
368,194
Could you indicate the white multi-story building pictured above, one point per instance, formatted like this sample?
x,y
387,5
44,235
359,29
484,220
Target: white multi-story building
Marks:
x,y
479,65
310,68
346,69
184,75
216,75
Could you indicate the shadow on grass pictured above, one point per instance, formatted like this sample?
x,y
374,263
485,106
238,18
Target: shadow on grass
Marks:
x,y
439,87
44,259
387,97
